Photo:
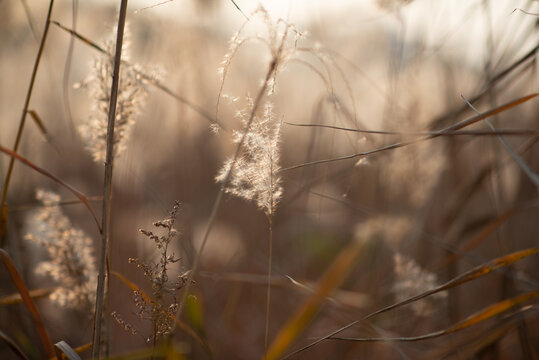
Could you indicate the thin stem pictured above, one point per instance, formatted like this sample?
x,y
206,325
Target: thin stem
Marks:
x,y
217,203
527,170
510,132
270,256
30,20
268,293
454,127
256,104
67,66
22,121
529,56
107,189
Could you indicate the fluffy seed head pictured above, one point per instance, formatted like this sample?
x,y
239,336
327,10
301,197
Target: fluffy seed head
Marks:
x,y
132,92
412,280
71,260
255,174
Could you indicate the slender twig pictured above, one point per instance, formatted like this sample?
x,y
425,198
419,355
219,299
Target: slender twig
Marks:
x,y
507,132
525,12
107,190
3,220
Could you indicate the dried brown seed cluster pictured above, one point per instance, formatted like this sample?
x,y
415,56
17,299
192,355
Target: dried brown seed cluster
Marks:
x,y
160,308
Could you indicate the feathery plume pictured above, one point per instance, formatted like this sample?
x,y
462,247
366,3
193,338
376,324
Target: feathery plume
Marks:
x,y
412,280
132,92
72,262
281,46
255,176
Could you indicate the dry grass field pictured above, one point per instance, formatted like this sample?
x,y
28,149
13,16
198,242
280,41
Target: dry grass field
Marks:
x,y
278,180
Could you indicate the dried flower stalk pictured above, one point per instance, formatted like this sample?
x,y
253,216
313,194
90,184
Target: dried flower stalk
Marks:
x,y
161,308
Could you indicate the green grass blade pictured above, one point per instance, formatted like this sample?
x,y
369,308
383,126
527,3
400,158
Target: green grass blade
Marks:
x,y
13,346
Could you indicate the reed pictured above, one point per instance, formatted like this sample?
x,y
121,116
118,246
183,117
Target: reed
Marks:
x,y
347,186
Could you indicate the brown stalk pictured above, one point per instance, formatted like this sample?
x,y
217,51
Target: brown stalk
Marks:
x,y
332,278
16,298
30,305
470,275
474,319
3,212
83,198
107,187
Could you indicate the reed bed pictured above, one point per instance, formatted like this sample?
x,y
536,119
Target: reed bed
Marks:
x,y
361,183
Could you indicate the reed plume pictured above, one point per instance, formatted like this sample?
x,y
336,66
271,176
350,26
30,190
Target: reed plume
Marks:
x,y
71,263
132,92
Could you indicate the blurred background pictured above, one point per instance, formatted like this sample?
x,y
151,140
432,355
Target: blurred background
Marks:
x,y
426,212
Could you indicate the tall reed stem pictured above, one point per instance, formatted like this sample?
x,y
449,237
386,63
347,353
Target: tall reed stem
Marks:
x,y
107,188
